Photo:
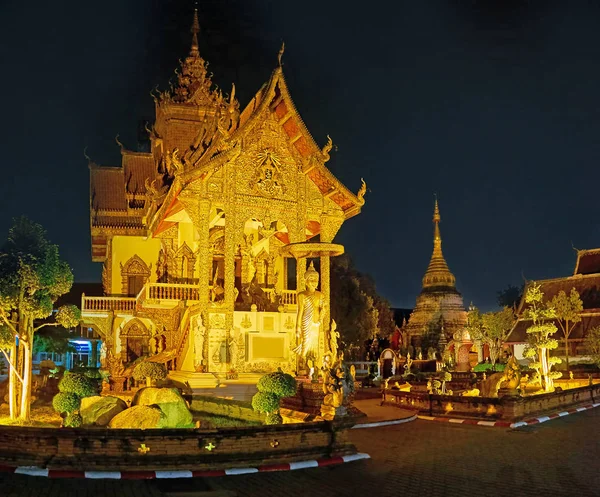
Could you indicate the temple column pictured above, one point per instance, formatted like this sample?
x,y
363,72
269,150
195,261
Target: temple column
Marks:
x,y
204,256
229,284
94,347
204,269
330,225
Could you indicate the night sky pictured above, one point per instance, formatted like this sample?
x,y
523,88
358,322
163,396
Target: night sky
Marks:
x,y
494,108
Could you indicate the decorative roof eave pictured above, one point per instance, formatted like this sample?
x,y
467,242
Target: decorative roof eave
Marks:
x,y
313,157
163,210
583,253
211,164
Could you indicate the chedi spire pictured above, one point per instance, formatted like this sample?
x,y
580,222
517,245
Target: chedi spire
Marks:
x,y
438,274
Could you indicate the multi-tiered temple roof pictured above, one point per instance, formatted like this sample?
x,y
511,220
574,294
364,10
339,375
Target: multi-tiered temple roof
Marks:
x,y
586,280
197,130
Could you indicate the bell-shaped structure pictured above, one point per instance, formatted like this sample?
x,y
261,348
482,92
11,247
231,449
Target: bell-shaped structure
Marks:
x,y
439,308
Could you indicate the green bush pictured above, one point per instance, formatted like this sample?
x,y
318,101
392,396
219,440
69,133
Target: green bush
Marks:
x,y
152,370
78,384
487,367
73,420
273,418
265,402
66,402
278,383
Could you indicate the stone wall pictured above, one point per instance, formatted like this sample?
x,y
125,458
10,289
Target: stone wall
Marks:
x,y
170,449
489,408
308,398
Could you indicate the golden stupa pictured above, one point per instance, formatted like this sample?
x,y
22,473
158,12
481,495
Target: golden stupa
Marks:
x,y
439,309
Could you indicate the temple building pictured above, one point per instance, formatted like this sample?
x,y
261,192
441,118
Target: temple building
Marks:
x,y
191,234
586,280
439,316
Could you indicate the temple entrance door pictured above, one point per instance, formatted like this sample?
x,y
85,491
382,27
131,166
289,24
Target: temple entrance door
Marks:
x,y
134,285
387,367
136,347
387,363
463,358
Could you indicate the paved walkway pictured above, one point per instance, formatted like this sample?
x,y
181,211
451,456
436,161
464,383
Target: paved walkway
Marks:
x,y
377,413
420,458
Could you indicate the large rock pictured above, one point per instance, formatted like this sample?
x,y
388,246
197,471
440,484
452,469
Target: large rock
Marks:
x,y
152,395
139,417
170,402
98,411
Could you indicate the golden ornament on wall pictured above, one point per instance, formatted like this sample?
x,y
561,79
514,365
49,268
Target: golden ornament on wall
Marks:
x,y
267,179
246,323
217,321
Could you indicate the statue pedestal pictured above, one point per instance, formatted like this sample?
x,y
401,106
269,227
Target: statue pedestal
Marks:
x,y
330,413
508,392
117,384
193,380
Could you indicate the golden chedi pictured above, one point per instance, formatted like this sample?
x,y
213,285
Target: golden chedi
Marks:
x,y
439,308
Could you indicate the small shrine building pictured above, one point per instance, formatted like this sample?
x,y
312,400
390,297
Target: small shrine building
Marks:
x,y
586,280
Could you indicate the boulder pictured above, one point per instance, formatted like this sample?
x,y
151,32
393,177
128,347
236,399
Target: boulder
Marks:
x,y
152,395
139,417
98,410
170,402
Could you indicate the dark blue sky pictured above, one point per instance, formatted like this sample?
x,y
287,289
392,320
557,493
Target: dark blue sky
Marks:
x,y
493,105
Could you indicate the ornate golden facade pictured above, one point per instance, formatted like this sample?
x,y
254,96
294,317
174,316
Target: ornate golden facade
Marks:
x,y
191,235
439,310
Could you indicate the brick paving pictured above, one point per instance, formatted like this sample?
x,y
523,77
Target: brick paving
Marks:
x,y
557,458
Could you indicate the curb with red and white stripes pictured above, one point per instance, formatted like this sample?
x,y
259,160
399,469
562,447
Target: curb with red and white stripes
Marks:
x,y
506,424
151,475
377,424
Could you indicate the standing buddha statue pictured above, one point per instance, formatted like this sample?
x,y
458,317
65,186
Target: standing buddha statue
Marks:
x,y
309,320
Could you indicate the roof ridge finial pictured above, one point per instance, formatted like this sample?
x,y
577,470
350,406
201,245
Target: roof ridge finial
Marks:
x,y
280,54
195,30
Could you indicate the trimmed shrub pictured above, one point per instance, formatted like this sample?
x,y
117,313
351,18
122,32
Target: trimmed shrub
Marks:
x,y
486,366
279,383
66,402
78,384
146,370
265,402
273,418
73,420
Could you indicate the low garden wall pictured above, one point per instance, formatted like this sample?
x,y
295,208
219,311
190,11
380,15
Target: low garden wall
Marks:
x,y
170,449
308,398
490,408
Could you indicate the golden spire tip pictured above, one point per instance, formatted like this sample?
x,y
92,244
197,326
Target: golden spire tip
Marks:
x,y
436,211
195,30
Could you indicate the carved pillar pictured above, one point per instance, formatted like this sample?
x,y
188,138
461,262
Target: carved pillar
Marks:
x,y
300,270
230,239
204,269
204,256
330,224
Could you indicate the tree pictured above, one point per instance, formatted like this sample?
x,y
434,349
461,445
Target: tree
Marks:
x,y
540,332
592,344
352,308
32,277
568,309
497,326
510,296
491,328
54,341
